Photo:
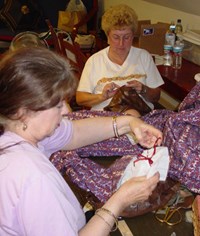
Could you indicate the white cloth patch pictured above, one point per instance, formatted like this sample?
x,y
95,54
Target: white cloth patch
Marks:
x,y
140,166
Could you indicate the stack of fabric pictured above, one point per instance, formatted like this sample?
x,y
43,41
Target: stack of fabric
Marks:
x,y
196,215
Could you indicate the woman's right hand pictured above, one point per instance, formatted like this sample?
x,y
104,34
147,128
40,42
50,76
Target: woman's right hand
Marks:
x,y
136,189
109,90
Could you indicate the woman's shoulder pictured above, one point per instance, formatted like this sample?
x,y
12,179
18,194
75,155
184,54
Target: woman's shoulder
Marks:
x,y
58,139
100,54
140,54
141,51
18,154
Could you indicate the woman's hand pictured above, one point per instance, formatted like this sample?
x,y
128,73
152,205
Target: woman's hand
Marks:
x,y
137,189
136,85
109,90
145,134
134,190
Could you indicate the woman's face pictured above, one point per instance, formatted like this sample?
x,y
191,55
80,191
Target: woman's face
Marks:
x,y
42,124
120,40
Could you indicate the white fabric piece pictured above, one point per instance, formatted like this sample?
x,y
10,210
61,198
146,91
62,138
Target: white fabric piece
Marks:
x,y
85,41
142,167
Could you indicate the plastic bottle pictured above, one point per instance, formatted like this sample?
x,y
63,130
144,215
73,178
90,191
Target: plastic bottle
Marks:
x,y
179,27
180,42
167,58
170,36
172,27
177,57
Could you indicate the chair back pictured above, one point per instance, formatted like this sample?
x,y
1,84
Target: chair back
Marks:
x,y
72,52
54,36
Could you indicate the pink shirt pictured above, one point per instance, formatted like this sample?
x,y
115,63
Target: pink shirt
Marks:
x,y
34,198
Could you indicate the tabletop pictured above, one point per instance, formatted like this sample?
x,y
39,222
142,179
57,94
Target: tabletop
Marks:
x,y
179,82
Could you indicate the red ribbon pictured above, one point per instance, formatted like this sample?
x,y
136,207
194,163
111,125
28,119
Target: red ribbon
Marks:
x,y
146,158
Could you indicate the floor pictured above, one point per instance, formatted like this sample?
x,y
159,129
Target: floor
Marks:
x,y
147,225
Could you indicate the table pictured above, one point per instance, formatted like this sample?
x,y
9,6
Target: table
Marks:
x,y
179,82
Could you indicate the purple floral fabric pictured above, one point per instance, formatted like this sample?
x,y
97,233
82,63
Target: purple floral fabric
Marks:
x,y
181,132
182,136
88,174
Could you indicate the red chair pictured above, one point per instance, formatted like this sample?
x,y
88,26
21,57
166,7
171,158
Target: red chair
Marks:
x,y
54,36
72,52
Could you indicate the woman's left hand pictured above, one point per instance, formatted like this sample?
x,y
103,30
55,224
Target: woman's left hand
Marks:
x,y
146,134
136,85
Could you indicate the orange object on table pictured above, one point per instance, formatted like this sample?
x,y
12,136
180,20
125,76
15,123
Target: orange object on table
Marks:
x,y
196,215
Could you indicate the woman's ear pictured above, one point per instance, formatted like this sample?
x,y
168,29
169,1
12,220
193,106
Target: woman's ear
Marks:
x,y
21,114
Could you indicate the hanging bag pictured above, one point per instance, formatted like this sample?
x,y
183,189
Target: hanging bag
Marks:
x,y
74,13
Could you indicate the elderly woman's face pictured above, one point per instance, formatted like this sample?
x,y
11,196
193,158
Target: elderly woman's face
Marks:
x,y
121,40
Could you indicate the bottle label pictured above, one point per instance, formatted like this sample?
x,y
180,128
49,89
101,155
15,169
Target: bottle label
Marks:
x,y
170,38
177,60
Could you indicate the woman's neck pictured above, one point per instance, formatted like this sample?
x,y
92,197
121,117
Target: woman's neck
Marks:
x,y
16,127
117,58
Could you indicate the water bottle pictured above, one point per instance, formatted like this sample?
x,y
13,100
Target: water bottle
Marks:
x,y
167,58
170,38
177,57
170,35
172,27
179,27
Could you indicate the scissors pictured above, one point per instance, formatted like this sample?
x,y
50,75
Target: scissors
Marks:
x,y
172,215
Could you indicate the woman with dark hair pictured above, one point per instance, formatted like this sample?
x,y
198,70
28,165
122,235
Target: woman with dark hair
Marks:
x,y
35,200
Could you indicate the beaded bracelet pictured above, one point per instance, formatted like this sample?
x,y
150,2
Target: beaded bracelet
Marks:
x,y
114,123
111,214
